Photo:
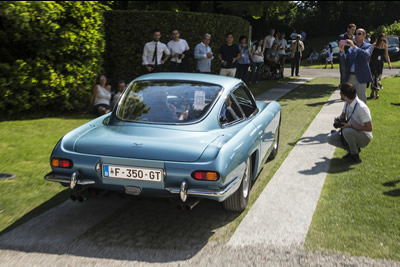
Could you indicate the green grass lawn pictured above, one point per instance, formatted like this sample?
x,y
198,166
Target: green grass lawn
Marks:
x,y
25,148
359,209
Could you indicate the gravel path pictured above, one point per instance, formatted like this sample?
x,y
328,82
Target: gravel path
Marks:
x,y
212,255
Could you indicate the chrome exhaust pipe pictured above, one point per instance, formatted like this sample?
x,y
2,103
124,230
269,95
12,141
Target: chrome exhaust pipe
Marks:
x,y
189,205
84,194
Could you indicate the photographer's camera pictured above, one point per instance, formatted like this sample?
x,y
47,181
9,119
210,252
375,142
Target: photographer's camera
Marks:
x,y
339,121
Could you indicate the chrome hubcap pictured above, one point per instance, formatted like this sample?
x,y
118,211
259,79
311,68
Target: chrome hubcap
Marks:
x,y
246,180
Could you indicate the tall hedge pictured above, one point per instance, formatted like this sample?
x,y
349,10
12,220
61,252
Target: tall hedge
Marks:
x,y
51,52
393,29
128,31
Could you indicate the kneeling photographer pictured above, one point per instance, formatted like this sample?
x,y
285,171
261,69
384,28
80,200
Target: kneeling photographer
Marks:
x,y
355,124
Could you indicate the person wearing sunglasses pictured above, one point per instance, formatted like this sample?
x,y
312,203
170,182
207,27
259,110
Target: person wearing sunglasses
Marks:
x,y
349,34
357,59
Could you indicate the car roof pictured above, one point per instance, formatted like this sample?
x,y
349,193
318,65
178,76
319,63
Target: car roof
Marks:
x,y
224,81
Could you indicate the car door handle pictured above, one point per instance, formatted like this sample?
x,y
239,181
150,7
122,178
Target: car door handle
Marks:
x,y
261,133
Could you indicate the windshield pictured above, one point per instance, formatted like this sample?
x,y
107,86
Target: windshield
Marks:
x,y
393,41
167,101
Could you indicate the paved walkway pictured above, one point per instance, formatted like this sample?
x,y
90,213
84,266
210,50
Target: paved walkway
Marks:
x,y
283,212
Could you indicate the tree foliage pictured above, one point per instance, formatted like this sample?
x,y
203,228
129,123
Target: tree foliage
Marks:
x,y
393,29
51,52
317,18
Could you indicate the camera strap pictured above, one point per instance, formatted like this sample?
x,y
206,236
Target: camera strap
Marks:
x,y
351,115
345,144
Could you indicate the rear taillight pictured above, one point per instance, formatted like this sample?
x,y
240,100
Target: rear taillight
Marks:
x,y
205,175
61,163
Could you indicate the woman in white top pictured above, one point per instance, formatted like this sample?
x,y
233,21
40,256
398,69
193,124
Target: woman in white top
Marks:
x,y
257,60
329,58
101,96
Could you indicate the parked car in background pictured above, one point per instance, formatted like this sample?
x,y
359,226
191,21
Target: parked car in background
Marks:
x,y
393,47
187,136
324,54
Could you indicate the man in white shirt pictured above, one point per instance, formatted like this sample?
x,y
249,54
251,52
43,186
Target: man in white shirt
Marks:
x,y
153,52
268,41
204,55
177,47
355,124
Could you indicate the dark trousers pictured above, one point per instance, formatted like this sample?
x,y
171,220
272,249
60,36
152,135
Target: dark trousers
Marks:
x,y
296,63
155,69
256,71
242,70
282,59
176,67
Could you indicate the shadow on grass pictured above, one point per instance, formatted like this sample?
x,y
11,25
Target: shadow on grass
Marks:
x,y
391,183
392,193
330,102
51,203
141,229
311,91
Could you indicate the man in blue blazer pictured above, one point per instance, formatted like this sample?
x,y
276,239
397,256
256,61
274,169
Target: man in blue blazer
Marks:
x,y
358,72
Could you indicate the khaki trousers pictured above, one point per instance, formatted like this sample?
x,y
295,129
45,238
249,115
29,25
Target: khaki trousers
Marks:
x,y
361,88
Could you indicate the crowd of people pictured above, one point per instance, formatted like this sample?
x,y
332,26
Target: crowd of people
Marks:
x,y
236,59
361,64
266,55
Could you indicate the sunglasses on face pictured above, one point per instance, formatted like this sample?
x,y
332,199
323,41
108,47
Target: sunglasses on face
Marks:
x,y
359,33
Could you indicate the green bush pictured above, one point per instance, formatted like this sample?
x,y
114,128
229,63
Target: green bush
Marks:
x,y
128,31
393,29
51,52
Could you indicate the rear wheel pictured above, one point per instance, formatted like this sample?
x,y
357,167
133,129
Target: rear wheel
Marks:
x,y
238,200
274,151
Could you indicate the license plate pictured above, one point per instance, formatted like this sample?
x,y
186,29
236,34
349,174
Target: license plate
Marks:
x,y
134,173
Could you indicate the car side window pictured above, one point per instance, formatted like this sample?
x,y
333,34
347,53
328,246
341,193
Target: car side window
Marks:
x,y
245,100
230,112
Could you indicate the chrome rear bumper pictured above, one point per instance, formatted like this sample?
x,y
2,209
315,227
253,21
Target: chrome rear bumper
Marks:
x,y
184,191
73,180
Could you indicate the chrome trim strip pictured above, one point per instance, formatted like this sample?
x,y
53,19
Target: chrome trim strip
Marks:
x,y
199,192
85,182
51,177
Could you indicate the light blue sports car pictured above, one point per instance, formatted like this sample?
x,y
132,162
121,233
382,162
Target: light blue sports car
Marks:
x,y
183,135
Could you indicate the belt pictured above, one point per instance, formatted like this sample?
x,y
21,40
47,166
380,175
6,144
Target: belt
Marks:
x,y
352,73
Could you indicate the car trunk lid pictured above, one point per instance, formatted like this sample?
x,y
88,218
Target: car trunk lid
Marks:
x,y
141,142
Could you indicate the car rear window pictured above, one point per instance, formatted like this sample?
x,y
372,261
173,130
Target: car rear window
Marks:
x,y
167,101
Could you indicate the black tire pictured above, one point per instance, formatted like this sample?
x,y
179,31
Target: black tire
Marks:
x,y
238,200
274,151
